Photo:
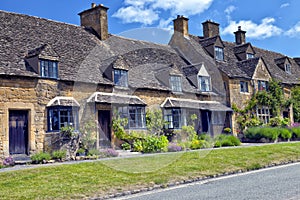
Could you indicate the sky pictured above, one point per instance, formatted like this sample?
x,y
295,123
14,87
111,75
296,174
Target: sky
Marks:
x,y
270,24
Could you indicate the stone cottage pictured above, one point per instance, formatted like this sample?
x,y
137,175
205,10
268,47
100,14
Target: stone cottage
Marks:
x,y
241,68
54,75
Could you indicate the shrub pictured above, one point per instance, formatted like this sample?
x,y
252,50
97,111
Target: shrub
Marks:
x,y
284,133
9,161
227,130
223,140
152,144
109,153
81,151
258,133
253,133
138,146
59,155
296,132
269,133
278,121
40,157
173,147
205,137
126,146
199,144
93,152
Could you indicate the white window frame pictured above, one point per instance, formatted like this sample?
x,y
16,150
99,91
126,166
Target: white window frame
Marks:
x,y
249,55
263,113
219,53
245,85
175,82
207,81
287,68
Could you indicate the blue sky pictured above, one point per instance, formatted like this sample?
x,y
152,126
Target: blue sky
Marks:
x,y
270,24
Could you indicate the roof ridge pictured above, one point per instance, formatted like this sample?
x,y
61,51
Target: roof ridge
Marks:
x,y
40,18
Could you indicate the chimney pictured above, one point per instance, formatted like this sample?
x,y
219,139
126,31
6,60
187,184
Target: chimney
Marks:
x,y
240,36
96,18
181,25
210,29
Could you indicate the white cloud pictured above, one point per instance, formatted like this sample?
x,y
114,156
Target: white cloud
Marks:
x,y
132,14
229,9
294,31
187,7
263,30
148,11
284,5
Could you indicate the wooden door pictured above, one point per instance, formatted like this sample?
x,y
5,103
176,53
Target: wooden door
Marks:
x,y
18,132
205,121
104,119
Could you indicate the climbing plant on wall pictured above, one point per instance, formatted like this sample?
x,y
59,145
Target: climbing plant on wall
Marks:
x,y
273,98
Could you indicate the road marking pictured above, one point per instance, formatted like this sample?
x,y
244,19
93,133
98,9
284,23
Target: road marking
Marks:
x,y
204,182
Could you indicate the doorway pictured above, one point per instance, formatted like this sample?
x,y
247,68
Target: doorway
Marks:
x,y
104,119
18,132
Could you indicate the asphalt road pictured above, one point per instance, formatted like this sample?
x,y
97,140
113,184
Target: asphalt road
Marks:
x,y
273,183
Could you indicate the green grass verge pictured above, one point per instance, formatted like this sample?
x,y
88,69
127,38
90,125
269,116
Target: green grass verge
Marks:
x,y
98,178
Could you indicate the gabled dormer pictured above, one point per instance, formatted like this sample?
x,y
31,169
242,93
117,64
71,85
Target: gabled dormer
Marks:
x,y
214,46
117,72
244,52
204,80
120,72
212,41
44,61
284,63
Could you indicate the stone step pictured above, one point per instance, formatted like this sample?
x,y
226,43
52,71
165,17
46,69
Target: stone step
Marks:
x,y
21,159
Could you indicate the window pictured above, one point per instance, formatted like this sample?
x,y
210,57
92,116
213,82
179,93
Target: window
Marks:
x,y
218,117
287,68
249,55
121,77
219,54
204,83
173,118
62,116
175,82
48,69
262,85
135,115
263,113
244,86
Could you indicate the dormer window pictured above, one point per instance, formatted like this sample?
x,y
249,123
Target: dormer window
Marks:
x,y
219,53
175,82
204,83
288,68
249,55
121,77
48,68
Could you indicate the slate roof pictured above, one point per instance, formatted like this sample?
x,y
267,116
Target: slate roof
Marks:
x,y
244,69
190,103
111,98
81,55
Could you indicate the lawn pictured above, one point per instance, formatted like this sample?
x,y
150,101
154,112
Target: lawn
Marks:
x,y
99,178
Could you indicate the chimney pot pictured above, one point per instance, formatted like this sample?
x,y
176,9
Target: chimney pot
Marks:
x,y
96,19
210,29
240,36
181,25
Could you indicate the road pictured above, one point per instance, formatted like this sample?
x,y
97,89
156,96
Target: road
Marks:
x,y
276,183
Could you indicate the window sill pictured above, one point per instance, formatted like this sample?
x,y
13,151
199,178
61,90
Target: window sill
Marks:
x,y
246,93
